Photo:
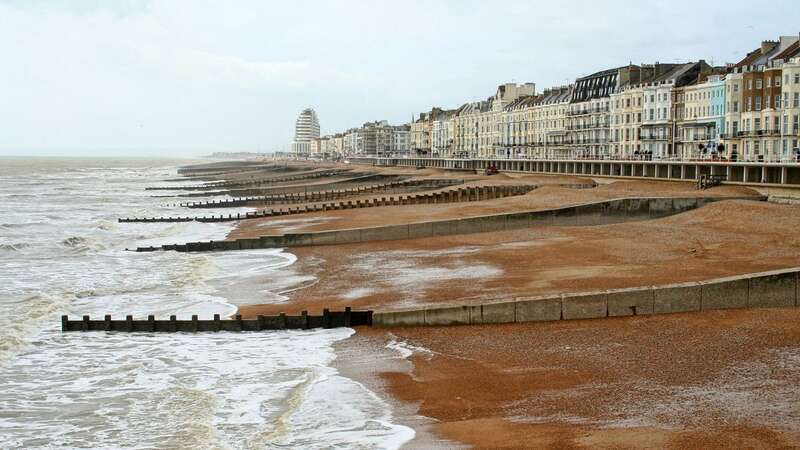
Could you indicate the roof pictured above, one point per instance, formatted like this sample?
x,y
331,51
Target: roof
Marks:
x,y
473,108
789,52
602,73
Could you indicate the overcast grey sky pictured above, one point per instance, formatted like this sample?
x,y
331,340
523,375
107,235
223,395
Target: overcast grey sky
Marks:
x,y
186,77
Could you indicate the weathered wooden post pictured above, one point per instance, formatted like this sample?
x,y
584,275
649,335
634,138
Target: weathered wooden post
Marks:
x,y
217,325
326,318
173,325
194,323
238,322
108,322
85,324
347,316
282,321
64,321
151,322
129,323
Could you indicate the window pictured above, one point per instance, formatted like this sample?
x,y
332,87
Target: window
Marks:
x,y
735,106
769,81
797,78
785,124
736,87
786,79
796,101
749,85
795,123
777,80
757,124
759,83
766,101
777,101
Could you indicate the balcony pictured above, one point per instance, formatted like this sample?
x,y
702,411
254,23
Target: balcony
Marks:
x,y
757,133
587,111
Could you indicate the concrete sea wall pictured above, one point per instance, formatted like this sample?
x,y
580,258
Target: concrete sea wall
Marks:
x,y
598,213
758,290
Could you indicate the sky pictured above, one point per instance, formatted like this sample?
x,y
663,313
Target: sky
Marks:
x,y
189,77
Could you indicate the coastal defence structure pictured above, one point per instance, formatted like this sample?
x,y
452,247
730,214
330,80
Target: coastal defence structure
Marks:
x,y
773,289
767,174
467,194
596,213
758,290
328,319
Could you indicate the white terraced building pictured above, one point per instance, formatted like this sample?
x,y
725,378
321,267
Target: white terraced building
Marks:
x,y
306,129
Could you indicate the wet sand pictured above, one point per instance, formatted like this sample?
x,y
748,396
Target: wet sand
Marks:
x,y
721,239
721,379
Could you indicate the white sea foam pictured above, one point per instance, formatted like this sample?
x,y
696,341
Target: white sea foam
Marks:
x,y
405,349
64,254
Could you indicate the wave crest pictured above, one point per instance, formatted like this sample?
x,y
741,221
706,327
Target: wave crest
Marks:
x,y
14,247
82,244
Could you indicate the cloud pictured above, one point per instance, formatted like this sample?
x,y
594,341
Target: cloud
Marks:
x,y
185,77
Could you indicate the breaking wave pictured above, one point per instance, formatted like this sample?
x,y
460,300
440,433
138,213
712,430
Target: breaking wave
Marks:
x,y
15,247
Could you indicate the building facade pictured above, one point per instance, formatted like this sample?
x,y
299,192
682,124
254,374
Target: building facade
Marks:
x,y
442,131
467,122
700,118
588,118
759,102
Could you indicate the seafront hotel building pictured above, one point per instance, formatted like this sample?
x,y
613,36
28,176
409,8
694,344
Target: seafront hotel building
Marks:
x,y
745,111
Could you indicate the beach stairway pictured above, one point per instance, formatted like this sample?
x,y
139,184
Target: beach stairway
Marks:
x,y
304,321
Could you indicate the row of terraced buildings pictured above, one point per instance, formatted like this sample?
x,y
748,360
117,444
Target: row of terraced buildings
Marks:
x,y
747,111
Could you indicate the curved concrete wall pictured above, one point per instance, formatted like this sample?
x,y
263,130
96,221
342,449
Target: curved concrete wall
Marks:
x,y
599,213
757,290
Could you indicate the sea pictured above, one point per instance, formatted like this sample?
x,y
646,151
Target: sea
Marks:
x,y
63,252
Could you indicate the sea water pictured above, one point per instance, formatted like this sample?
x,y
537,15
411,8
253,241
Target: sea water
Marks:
x,y
63,252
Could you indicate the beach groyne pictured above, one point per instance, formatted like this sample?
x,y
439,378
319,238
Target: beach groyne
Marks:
x,y
352,180
466,194
251,182
587,214
757,290
325,195
304,321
